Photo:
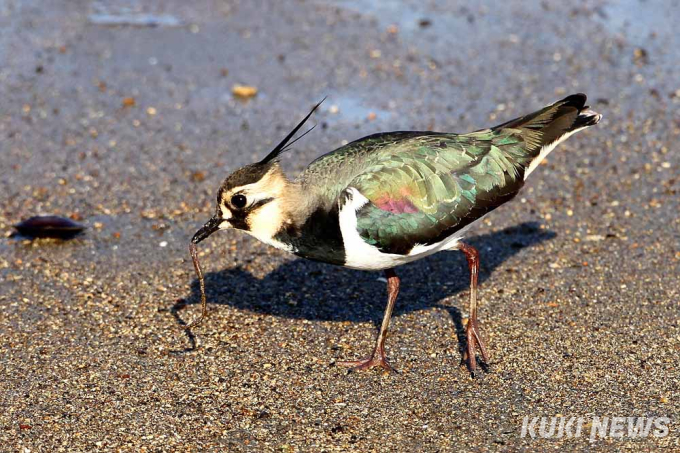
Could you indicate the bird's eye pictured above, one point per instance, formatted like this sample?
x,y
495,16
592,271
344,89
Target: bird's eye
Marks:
x,y
239,201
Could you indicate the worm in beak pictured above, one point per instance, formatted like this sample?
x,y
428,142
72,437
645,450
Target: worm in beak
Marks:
x,y
209,228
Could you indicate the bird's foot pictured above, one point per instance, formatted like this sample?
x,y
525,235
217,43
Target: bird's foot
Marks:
x,y
474,339
377,359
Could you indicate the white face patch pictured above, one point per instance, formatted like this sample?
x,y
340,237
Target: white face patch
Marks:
x,y
226,213
263,213
265,222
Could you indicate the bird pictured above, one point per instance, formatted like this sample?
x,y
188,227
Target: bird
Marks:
x,y
392,198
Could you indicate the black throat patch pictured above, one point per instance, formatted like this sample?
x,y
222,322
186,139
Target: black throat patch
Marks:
x,y
319,238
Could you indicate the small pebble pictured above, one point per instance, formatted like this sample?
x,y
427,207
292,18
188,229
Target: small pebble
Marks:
x,y
244,91
129,102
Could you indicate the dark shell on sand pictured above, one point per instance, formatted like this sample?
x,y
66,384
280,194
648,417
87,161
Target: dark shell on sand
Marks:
x,y
49,227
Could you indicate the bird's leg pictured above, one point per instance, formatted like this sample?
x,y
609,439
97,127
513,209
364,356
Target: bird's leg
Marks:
x,y
472,329
378,357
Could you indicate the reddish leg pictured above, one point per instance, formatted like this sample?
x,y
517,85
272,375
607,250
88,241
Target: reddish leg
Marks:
x,y
472,329
378,357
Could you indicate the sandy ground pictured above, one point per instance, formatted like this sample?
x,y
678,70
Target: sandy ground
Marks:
x,y
130,128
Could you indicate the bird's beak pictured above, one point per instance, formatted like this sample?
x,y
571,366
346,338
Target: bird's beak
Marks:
x,y
209,228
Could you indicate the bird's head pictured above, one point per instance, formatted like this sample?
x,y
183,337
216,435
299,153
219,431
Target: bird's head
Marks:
x,y
253,198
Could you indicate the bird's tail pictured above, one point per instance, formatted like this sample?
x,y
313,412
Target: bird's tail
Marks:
x,y
546,128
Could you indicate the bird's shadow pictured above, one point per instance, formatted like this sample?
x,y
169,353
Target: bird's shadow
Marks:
x,y
302,289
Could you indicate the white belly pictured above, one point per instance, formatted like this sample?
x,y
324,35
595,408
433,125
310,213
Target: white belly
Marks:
x,y
363,256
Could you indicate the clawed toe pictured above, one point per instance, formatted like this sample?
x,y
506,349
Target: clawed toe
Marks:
x,y
375,360
474,340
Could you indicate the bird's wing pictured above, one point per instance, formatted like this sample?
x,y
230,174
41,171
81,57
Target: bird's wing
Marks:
x,y
334,170
422,189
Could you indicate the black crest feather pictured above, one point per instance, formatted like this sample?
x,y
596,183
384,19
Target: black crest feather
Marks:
x,y
281,147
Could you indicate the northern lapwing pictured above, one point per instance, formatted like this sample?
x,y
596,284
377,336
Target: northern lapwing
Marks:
x,y
392,198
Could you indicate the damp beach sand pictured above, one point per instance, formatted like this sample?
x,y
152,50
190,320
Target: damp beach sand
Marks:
x,y
126,118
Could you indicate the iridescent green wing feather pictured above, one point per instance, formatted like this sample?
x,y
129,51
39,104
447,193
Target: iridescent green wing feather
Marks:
x,y
331,173
424,186
423,189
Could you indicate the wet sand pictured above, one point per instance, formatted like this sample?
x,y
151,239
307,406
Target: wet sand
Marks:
x,y
123,118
